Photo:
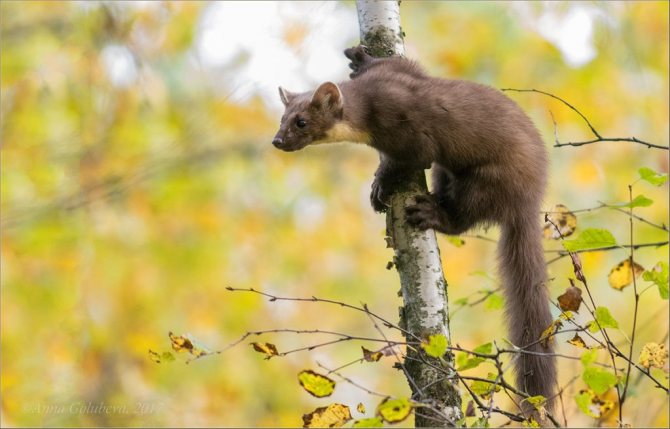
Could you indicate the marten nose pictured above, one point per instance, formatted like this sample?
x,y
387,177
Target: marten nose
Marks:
x,y
276,142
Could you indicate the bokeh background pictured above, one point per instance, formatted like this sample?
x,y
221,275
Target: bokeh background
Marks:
x,y
138,181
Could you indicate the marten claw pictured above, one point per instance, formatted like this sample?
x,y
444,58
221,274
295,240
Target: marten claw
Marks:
x,y
424,213
378,198
359,58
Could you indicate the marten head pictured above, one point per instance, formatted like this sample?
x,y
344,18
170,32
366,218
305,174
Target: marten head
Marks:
x,y
309,118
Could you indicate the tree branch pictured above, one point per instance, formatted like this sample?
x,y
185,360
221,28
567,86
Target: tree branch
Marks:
x,y
599,137
417,256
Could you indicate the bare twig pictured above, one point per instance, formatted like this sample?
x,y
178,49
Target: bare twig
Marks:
x,y
350,381
579,274
485,295
563,253
635,308
603,205
399,360
327,301
599,138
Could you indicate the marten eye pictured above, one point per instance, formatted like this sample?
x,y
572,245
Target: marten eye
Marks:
x,y
300,123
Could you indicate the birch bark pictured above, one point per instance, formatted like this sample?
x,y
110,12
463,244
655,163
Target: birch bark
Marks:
x,y
417,256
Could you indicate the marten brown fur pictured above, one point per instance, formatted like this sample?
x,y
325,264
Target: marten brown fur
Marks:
x,y
489,166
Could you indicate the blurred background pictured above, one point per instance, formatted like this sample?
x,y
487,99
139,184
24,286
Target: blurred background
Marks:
x,y
138,181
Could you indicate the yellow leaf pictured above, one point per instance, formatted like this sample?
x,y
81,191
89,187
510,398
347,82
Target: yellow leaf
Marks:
x,y
577,341
590,404
371,356
394,410
266,348
436,346
332,416
548,334
360,408
180,343
154,356
316,384
531,423
564,219
653,355
373,422
622,275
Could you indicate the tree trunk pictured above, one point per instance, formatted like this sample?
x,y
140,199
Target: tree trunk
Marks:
x,y
417,257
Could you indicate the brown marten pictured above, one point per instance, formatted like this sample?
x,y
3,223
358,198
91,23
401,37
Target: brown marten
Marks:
x,y
489,166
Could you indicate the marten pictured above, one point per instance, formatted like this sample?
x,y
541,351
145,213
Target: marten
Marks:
x,y
489,166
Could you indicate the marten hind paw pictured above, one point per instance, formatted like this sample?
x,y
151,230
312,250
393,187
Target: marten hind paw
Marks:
x,y
425,213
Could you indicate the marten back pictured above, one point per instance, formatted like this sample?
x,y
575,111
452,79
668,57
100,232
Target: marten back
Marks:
x,y
488,164
461,123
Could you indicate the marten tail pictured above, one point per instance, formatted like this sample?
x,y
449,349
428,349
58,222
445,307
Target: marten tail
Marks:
x,y
523,272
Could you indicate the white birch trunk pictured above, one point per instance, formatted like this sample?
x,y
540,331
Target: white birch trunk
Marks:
x,y
417,256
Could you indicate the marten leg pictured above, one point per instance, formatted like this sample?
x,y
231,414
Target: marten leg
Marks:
x,y
456,204
388,176
360,60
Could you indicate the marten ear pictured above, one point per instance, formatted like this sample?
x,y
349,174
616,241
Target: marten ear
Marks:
x,y
286,96
328,95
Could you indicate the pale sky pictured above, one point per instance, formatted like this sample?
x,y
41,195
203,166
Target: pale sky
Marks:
x,y
246,39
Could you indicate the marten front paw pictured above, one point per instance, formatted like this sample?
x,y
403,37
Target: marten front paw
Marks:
x,y
379,197
359,58
425,213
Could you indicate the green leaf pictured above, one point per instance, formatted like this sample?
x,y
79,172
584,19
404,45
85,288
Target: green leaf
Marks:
x,y
494,302
650,176
465,362
485,388
316,384
167,357
485,349
599,380
591,238
605,319
639,201
374,422
589,356
394,410
436,346
659,276
584,400
536,401
470,363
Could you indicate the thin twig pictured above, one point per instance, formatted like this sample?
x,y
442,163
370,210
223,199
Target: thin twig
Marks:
x,y
640,218
603,205
327,301
350,381
344,337
563,253
599,138
635,308
398,359
576,265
